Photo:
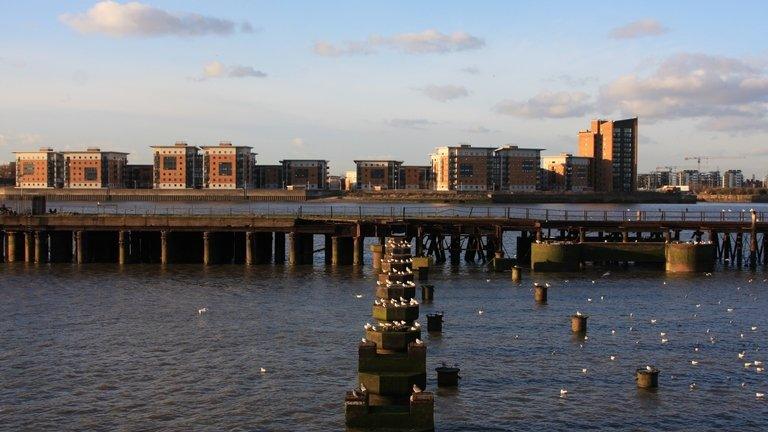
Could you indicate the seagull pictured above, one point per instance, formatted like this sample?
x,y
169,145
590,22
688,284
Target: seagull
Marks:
x,y
602,298
759,395
606,274
758,363
648,368
364,340
358,296
613,332
664,340
563,392
362,388
613,358
694,362
753,328
480,312
578,313
741,355
202,310
546,284
653,320
729,310
418,341
262,370
589,300
693,386
416,389
584,370
662,334
487,280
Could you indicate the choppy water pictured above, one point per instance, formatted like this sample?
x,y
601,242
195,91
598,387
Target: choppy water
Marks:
x,y
104,348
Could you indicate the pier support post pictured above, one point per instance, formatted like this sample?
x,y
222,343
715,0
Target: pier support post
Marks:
x,y
357,250
28,246
328,251
335,250
377,252
582,235
279,247
294,248
39,247
121,252
739,248
687,257
163,247
455,247
625,236
10,239
79,247
753,241
206,248
249,248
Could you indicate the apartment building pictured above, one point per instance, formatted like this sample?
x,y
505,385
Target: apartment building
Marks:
x,y
94,168
8,174
566,172
462,168
733,179
311,174
268,176
177,166
415,177
378,174
226,166
516,169
139,176
39,169
613,146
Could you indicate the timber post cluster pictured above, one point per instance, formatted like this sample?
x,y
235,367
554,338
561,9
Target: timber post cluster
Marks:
x,y
392,359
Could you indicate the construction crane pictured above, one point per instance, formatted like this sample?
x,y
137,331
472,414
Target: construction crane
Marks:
x,y
698,159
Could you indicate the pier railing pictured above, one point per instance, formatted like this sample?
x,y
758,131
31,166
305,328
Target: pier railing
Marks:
x,y
405,212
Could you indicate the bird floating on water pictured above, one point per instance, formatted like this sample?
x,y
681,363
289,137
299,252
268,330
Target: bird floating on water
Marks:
x,y
613,358
358,296
583,370
759,395
563,392
202,310
653,320
480,312
741,355
694,362
262,370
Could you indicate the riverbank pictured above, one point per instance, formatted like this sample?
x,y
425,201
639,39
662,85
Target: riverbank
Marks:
x,y
733,198
390,196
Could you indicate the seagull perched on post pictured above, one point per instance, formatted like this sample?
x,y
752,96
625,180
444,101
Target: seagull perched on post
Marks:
x,y
416,389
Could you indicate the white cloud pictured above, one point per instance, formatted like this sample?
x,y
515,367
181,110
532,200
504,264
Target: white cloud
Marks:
x,y
217,69
573,81
426,42
480,130
444,93
691,86
638,29
471,70
20,141
418,123
298,143
137,19
548,105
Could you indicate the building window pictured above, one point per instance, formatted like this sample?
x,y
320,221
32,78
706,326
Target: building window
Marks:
x,y
225,168
466,170
169,163
28,168
90,173
377,174
302,173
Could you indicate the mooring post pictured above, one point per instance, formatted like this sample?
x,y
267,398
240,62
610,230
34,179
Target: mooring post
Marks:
x,y
121,247
249,248
336,252
279,247
294,245
10,239
79,247
357,250
28,245
164,247
753,240
39,257
206,248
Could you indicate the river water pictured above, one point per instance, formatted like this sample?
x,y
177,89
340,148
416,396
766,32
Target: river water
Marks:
x,y
100,347
107,348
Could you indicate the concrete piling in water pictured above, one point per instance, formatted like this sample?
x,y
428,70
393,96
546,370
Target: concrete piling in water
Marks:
x,y
28,246
206,248
427,293
689,257
79,247
377,251
447,376
40,250
517,274
539,293
647,377
164,247
435,322
121,250
249,247
357,250
579,323
10,240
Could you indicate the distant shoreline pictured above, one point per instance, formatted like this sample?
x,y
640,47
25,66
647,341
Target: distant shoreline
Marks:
x,y
279,195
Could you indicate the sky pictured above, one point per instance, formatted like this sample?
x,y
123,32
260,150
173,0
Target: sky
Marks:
x,y
360,80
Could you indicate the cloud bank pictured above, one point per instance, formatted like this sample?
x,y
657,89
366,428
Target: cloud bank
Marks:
x,y
444,93
426,42
638,29
217,69
137,19
548,105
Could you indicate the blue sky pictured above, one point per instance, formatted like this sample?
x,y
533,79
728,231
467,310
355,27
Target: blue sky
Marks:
x,y
346,80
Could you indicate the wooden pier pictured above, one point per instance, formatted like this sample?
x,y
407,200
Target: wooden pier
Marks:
x,y
447,235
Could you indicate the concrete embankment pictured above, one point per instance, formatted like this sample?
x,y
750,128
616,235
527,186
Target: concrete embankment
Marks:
x,y
733,198
166,195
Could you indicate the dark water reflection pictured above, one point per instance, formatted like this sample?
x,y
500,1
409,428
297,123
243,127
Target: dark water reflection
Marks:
x,y
105,348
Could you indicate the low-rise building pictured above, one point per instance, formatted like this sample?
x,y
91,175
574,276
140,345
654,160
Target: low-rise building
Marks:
x,y
733,179
177,166
139,176
268,176
226,166
516,169
94,169
462,168
39,169
378,174
311,174
567,172
8,174
415,176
